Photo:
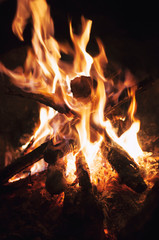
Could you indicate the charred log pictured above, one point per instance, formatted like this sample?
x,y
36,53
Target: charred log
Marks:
x,y
78,87
127,169
82,86
54,152
47,150
82,172
23,162
48,99
142,86
56,181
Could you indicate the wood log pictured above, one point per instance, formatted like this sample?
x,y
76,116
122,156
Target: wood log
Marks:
x,y
23,162
47,150
56,181
54,152
127,169
48,99
82,86
81,83
82,172
142,86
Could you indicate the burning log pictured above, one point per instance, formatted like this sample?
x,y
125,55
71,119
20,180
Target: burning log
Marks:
x,y
56,181
22,162
82,86
141,87
127,169
54,152
46,150
48,99
82,172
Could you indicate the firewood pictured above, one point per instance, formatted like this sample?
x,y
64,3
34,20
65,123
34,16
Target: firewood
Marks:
x,y
82,86
127,169
47,150
54,152
82,172
56,181
23,162
48,99
79,84
142,86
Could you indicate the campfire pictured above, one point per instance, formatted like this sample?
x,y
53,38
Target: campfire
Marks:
x,y
84,143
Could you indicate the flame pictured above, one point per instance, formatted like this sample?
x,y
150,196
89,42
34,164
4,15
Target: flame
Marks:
x,y
128,140
38,167
45,72
71,167
44,130
82,60
88,148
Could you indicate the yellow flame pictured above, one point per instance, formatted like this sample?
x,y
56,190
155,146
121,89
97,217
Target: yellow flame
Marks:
x,y
128,140
45,72
38,166
71,167
82,60
44,129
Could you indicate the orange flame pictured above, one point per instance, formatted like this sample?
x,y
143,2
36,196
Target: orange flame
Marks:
x,y
128,140
45,72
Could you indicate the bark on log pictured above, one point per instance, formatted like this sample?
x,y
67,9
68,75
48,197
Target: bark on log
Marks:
x,y
48,99
54,152
82,172
47,150
56,181
52,101
82,86
127,169
141,87
22,162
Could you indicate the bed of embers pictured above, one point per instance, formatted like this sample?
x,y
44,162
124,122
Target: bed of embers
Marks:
x,y
98,177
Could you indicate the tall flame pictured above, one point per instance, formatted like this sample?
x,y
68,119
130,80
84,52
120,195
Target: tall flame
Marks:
x,y
82,60
45,72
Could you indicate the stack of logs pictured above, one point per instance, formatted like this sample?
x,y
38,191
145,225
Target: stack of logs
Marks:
x,y
121,162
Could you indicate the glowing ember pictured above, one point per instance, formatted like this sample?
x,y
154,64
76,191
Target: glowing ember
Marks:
x,y
46,73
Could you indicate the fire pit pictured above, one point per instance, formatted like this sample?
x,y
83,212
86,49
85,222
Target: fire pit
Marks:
x,y
95,180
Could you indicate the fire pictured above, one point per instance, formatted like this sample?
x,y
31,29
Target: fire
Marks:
x,y
82,60
128,140
45,72
44,130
